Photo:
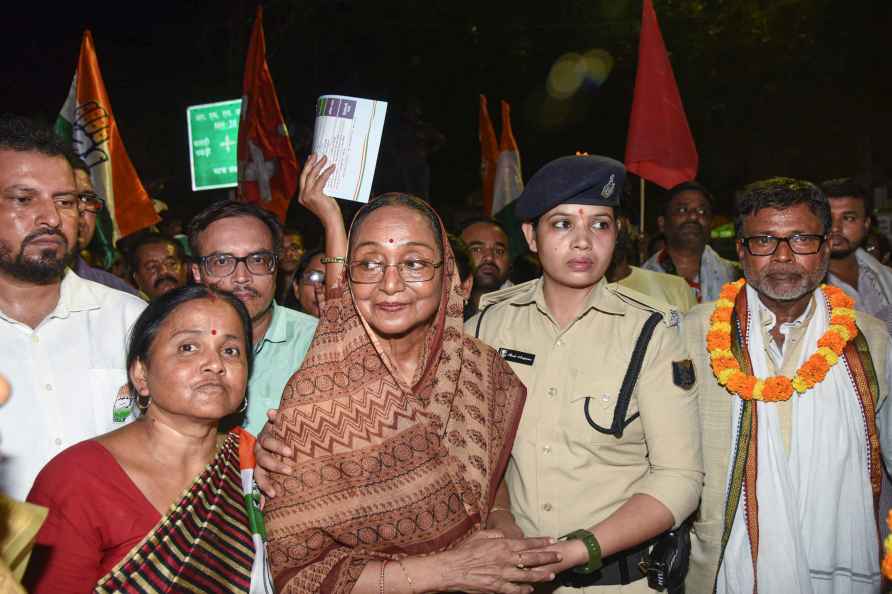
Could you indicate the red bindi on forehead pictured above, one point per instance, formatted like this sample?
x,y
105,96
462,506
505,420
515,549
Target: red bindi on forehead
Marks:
x,y
581,213
390,240
213,332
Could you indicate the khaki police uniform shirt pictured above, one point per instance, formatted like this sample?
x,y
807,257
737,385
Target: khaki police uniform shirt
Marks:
x,y
563,474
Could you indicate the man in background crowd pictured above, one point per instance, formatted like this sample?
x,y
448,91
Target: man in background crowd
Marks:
x,y
292,252
686,223
235,248
852,269
157,263
665,287
487,243
89,208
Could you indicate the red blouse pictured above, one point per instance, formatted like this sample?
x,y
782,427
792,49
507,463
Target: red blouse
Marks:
x,y
97,515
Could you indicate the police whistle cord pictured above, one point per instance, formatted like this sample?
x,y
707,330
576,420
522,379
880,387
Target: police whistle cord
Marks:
x,y
631,378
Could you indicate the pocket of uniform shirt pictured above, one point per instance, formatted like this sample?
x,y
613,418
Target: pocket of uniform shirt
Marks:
x,y
112,405
597,407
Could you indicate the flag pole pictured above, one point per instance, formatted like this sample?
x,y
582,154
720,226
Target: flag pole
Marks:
x,y
642,204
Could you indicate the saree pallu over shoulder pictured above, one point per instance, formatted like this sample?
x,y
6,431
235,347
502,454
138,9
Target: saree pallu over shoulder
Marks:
x,y
203,544
384,469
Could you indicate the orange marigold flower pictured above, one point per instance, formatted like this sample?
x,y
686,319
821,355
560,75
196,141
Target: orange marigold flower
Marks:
x,y
742,384
721,314
820,364
849,324
889,519
729,291
832,341
719,364
839,299
887,565
718,341
777,388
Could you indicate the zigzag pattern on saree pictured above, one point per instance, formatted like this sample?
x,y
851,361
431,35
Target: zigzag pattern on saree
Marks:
x,y
201,545
363,417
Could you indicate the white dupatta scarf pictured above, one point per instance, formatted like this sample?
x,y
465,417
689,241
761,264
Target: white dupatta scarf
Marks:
x,y
817,528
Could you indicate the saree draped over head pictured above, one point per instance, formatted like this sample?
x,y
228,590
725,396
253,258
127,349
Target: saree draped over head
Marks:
x,y
209,541
384,469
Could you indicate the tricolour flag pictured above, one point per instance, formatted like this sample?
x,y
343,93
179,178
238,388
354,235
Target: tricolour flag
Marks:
x,y
267,167
87,120
489,154
508,184
660,147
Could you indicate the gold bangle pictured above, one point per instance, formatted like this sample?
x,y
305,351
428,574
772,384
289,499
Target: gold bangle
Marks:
x,y
496,508
333,260
406,573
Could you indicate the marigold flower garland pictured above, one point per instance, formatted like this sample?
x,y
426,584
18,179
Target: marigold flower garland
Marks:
x,y
777,388
887,546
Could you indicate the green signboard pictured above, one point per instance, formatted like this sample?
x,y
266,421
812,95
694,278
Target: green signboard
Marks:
x,y
213,144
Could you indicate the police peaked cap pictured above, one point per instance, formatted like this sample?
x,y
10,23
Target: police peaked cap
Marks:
x,y
580,179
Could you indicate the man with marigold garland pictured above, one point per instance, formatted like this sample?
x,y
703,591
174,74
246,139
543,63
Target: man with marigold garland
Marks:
x,y
793,384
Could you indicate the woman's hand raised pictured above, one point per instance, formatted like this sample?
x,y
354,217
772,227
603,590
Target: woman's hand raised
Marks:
x,y
312,191
487,562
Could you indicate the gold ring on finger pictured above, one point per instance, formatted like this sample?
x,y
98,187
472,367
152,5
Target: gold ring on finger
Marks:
x,y
520,564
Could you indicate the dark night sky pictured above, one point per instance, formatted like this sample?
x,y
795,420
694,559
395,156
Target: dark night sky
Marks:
x,y
805,96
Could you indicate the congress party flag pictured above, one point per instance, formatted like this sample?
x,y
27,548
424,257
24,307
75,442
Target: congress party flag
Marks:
x,y
508,183
87,120
489,153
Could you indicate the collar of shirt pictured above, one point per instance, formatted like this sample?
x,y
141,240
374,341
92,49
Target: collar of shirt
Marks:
x,y
792,331
74,295
598,299
277,331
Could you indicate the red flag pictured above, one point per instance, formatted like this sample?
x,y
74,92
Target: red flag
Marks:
x,y
660,147
267,167
489,153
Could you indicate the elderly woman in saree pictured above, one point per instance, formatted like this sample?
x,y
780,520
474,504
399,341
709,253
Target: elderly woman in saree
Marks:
x,y
159,505
396,430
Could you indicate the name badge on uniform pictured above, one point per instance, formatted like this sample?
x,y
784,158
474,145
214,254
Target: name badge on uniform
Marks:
x,y
683,374
517,356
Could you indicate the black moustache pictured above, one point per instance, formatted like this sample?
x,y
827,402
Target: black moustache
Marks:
x,y
162,279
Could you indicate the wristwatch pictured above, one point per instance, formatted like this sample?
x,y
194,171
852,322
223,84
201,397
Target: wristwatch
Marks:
x,y
594,551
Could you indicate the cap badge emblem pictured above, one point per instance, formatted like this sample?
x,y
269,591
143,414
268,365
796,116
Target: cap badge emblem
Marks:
x,y
607,191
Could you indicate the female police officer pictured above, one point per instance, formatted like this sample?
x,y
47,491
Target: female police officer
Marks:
x,y
601,459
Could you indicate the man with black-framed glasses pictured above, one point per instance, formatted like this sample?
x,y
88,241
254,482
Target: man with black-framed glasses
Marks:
x,y
793,404
90,204
235,247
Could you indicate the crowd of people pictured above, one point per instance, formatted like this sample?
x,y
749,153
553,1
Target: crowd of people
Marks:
x,y
412,408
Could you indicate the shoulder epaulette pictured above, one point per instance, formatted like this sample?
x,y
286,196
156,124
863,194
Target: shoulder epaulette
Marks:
x,y
639,300
503,295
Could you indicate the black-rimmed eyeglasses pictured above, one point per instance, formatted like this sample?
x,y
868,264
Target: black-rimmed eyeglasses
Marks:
x,y
224,264
800,243
90,202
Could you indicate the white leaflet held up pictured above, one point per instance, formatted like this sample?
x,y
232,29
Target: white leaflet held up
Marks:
x,y
348,132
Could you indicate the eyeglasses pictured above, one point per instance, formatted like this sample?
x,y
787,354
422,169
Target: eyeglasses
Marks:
x,y
411,271
225,264
314,277
90,202
479,250
765,245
